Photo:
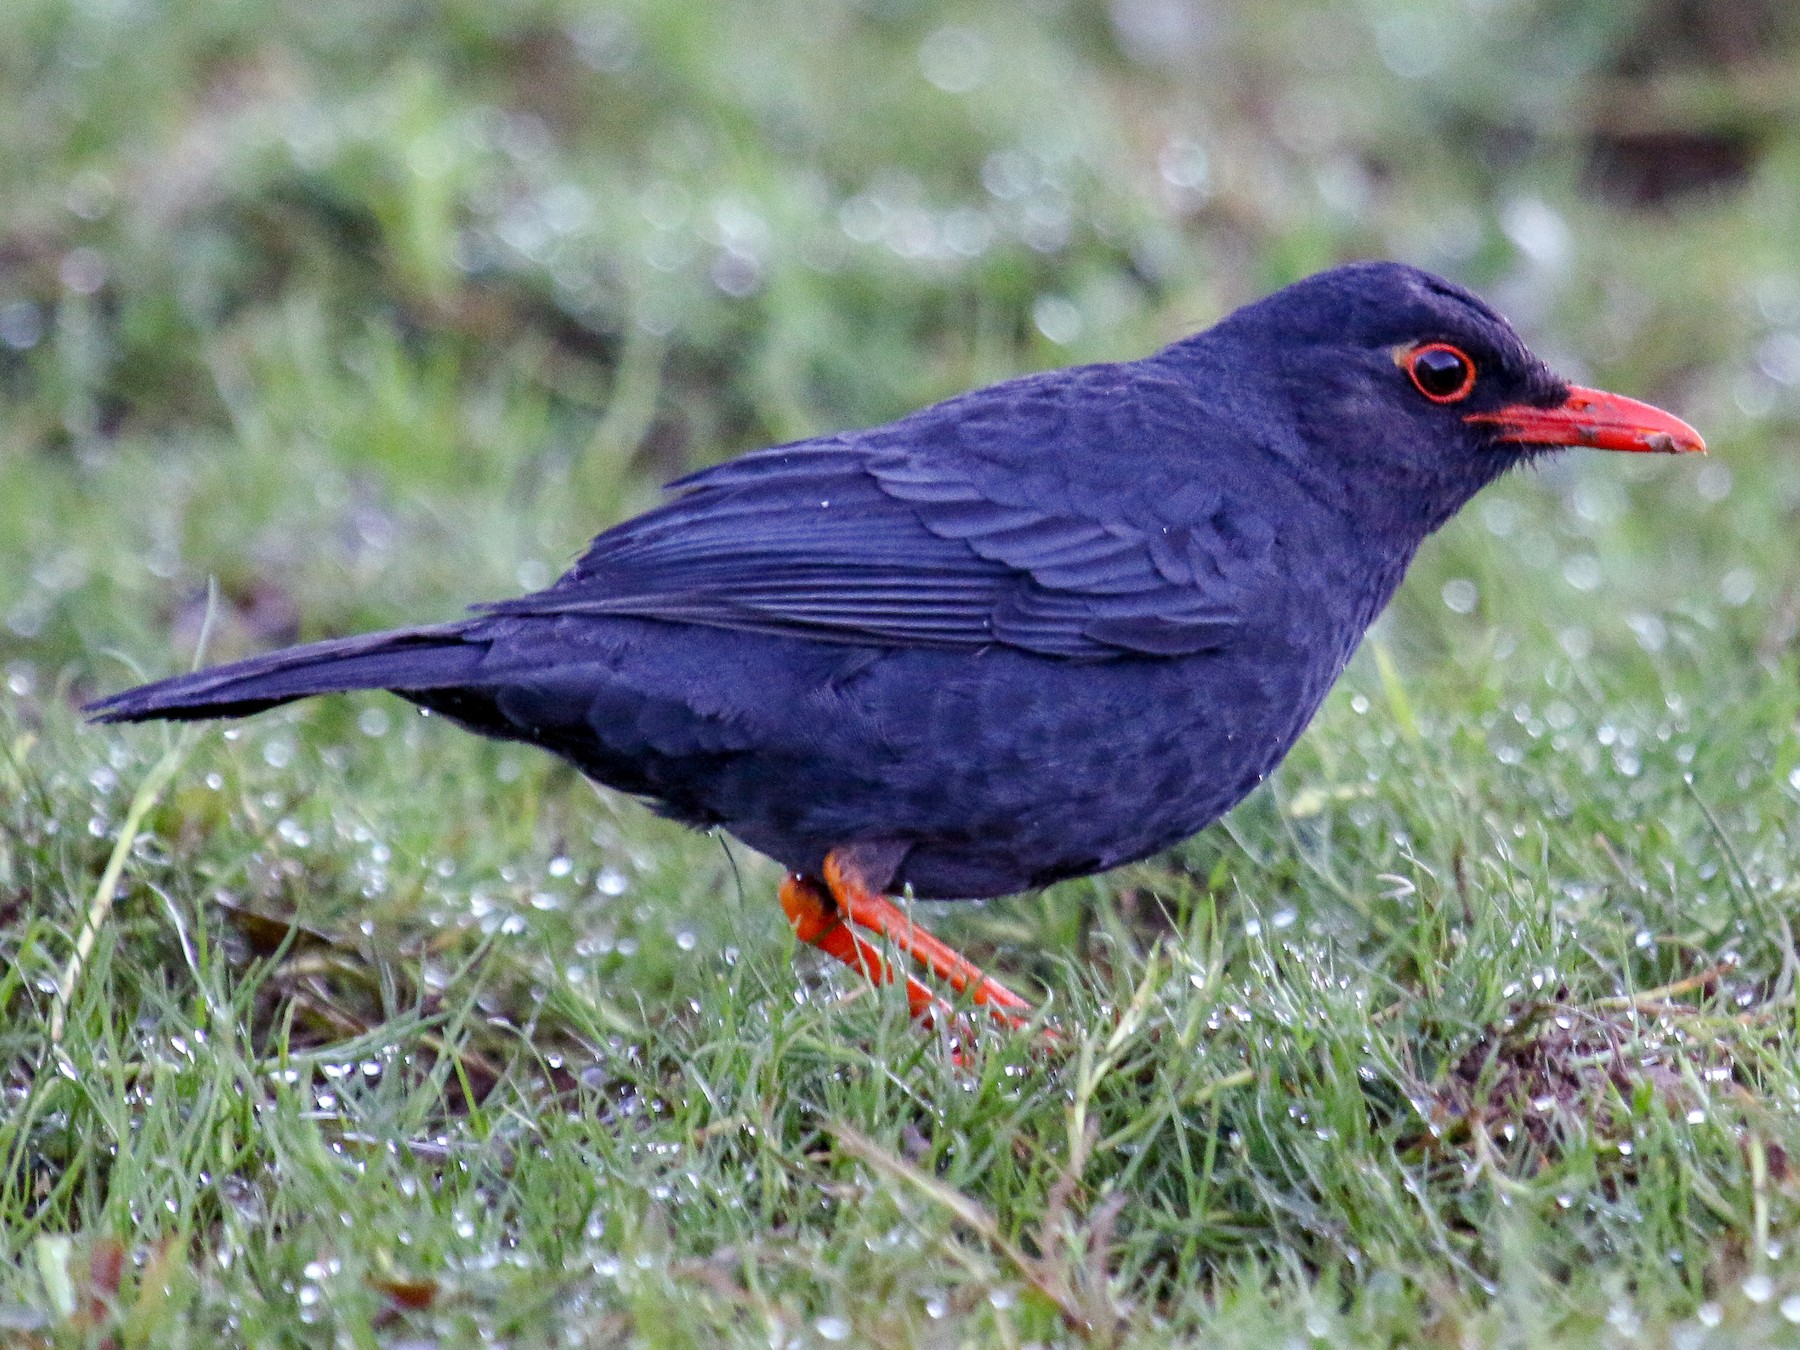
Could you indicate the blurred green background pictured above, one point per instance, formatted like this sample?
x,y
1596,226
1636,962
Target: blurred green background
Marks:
x,y
371,310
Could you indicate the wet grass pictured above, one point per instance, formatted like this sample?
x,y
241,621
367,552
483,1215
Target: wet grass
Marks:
x,y
1476,1026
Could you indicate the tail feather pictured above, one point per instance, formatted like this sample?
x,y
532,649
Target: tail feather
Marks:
x,y
402,659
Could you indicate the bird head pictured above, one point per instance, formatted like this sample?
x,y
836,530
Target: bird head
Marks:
x,y
1412,393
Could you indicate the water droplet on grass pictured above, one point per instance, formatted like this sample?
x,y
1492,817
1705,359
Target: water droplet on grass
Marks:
x,y
954,59
83,270
1712,482
1460,595
1057,319
1737,586
21,325
1183,164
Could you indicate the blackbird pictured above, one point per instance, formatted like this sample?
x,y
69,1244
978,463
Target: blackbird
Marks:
x,y
1032,632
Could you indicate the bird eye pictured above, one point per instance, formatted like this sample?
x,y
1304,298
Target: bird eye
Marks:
x,y
1441,372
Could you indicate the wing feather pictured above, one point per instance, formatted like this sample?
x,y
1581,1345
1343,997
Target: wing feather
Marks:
x,y
952,528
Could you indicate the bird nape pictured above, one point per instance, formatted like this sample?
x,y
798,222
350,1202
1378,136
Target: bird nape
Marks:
x,y
1035,631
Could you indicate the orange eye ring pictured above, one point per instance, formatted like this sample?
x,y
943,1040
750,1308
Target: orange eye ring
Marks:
x,y
1444,374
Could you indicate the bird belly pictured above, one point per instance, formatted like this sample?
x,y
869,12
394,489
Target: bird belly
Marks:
x,y
998,771
1082,768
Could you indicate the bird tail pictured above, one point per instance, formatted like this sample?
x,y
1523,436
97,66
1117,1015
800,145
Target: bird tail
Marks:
x,y
404,659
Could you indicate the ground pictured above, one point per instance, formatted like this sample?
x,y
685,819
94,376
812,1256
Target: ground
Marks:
x,y
1476,1026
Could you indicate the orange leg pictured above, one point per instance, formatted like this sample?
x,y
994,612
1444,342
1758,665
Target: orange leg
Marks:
x,y
831,918
817,920
867,908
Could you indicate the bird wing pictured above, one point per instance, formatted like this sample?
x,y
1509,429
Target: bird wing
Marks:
x,y
1009,517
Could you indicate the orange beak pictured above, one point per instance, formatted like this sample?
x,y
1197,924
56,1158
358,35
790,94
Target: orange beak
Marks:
x,y
1594,418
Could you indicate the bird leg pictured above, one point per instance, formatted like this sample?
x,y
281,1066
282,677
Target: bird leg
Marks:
x,y
829,918
868,908
818,922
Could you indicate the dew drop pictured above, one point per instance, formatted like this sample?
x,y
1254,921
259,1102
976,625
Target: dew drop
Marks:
x,y
1460,595
1737,586
1057,319
954,59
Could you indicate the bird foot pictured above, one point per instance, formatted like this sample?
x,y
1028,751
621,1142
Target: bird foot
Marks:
x,y
817,920
836,916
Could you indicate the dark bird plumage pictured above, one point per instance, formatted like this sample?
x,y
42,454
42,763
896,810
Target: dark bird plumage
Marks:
x,y
1032,632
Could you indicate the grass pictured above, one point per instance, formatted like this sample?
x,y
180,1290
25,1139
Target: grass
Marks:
x,y
1476,1026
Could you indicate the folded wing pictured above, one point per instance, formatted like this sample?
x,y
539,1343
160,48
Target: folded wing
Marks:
x,y
959,527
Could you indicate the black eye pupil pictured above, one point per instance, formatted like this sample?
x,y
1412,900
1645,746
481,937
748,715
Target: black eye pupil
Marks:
x,y
1440,371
